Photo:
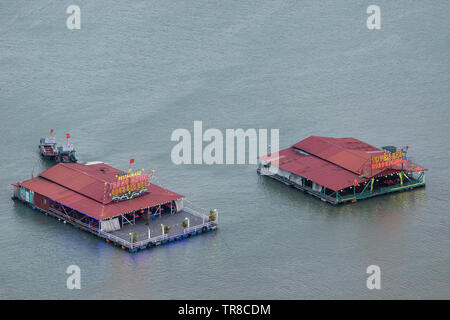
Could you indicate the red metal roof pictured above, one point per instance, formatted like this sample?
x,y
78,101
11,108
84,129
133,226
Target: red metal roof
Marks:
x,y
88,180
84,197
315,169
348,153
331,162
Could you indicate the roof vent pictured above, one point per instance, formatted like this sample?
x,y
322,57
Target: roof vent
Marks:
x,y
302,152
92,163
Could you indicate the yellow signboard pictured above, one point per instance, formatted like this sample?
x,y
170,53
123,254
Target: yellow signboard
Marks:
x,y
387,160
130,185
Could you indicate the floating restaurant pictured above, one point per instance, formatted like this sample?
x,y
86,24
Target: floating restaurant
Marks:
x,y
339,170
123,208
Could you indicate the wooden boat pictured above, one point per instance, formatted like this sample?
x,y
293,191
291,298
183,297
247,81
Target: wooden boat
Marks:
x,y
66,154
47,147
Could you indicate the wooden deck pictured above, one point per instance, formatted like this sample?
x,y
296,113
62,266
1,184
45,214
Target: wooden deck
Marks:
x,y
174,221
198,224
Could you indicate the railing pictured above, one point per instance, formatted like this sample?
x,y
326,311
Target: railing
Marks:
x,y
209,224
138,244
157,239
382,190
162,237
195,212
350,196
116,239
400,186
204,217
71,220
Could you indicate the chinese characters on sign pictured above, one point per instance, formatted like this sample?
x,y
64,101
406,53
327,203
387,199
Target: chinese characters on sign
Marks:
x,y
129,186
387,160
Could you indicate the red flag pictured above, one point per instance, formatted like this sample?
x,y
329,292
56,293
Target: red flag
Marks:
x,y
131,161
68,135
406,148
51,130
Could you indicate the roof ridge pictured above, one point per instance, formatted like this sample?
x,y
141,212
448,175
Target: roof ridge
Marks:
x,y
348,150
65,165
66,187
335,164
83,172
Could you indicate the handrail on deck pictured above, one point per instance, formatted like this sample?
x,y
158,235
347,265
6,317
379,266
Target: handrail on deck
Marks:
x,y
208,224
133,245
194,212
